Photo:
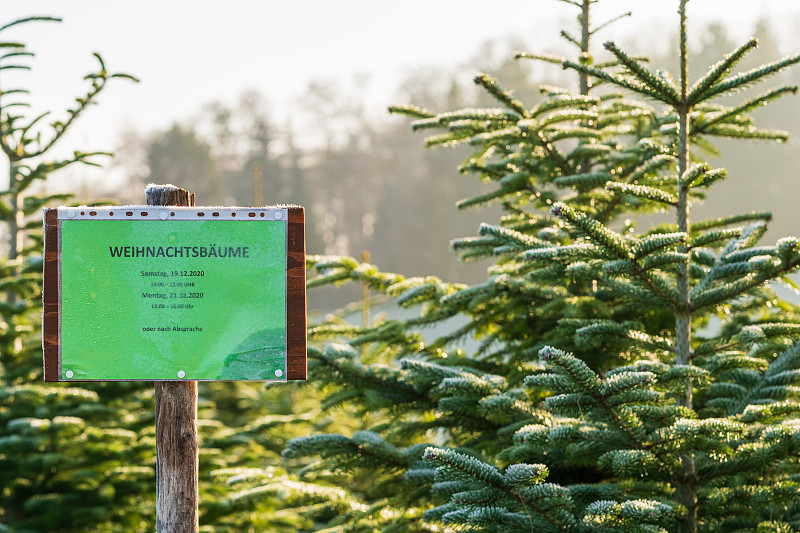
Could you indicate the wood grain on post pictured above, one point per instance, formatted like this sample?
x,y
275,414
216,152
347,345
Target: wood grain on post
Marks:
x,y
176,425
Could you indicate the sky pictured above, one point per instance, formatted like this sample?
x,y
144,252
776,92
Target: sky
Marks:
x,y
188,53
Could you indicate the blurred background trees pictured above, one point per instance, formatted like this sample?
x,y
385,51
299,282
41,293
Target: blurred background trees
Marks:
x,y
368,185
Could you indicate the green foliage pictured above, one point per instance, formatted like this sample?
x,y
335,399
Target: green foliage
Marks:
x,y
68,459
621,380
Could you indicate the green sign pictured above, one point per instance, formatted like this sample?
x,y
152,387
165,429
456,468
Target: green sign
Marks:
x,y
174,296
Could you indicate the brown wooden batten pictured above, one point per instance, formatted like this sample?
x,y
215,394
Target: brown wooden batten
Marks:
x,y
296,366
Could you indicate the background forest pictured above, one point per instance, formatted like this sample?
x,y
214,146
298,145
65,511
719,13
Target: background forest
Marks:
x,y
365,180
80,458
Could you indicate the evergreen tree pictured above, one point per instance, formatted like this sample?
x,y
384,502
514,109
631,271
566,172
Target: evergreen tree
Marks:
x,y
68,460
625,381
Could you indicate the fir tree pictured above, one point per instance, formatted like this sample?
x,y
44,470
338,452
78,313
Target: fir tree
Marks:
x,y
626,381
68,461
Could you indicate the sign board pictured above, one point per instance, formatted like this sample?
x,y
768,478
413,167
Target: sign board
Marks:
x,y
174,293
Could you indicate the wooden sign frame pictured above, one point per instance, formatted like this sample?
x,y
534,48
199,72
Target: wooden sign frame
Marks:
x,y
296,365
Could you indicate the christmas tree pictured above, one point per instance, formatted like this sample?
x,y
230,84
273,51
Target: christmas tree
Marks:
x,y
625,380
68,461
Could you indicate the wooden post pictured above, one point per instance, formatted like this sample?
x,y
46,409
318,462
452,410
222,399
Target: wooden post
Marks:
x,y
176,425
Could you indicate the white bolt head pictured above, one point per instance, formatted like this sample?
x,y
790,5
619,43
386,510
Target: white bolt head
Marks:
x,y
163,215
69,374
181,374
71,214
278,215
279,373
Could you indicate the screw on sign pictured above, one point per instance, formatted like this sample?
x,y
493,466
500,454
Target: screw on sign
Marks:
x,y
175,294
